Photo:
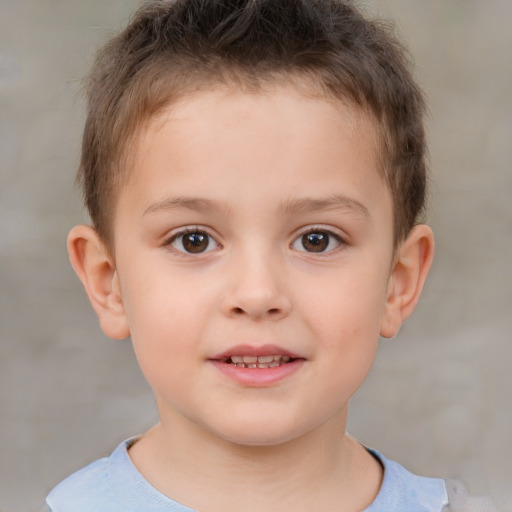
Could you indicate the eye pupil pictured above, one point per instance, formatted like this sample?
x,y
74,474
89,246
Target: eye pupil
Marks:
x,y
195,242
315,242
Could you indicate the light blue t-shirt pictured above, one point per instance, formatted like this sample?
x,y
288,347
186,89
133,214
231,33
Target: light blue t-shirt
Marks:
x,y
114,484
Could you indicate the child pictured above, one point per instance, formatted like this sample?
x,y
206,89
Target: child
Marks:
x,y
254,171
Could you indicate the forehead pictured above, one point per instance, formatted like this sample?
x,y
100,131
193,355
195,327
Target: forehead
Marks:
x,y
224,143
289,110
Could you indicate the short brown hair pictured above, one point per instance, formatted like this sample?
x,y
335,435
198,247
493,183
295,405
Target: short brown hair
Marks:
x,y
174,47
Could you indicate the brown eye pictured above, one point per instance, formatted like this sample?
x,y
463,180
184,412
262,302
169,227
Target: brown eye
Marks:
x,y
193,242
317,241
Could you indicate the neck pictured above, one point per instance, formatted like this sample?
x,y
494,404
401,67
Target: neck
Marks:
x,y
315,471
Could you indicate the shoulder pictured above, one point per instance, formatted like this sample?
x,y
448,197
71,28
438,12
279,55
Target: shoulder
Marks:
x,y
75,492
403,491
111,484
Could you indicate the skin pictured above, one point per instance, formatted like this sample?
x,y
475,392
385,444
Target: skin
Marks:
x,y
252,174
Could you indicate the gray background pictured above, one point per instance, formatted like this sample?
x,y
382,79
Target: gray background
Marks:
x,y
438,398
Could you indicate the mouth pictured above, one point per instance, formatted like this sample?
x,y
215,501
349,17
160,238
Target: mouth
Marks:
x,y
270,361
258,366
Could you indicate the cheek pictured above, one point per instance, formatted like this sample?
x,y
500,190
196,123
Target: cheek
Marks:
x,y
163,326
349,305
168,315
157,302
167,356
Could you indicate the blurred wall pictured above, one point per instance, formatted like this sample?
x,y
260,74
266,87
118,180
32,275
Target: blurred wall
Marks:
x,y
438,398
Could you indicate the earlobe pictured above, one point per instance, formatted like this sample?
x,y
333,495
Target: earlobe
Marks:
x,y
411,266
96,269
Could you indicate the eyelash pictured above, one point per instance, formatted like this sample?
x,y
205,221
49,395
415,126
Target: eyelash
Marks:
x,y
323,241
319,230
195,230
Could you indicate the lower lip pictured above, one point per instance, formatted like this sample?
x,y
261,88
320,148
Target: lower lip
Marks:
x,y
258,377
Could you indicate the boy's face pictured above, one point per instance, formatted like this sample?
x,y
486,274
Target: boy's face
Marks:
x,y
255,225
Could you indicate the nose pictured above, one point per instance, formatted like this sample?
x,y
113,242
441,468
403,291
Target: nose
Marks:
x,y
256,289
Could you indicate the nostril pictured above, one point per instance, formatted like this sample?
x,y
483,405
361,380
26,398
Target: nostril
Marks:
x,y
242,311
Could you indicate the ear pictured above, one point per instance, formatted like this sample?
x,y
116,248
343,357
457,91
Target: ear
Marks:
x,y
96,269
411,265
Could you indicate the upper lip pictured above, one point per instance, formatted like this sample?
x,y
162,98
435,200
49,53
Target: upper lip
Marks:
x,y
255,350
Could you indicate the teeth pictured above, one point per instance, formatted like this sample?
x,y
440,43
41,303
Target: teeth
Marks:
x,y
258,361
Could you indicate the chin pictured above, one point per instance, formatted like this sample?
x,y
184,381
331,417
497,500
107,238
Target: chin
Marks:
x,y
259,434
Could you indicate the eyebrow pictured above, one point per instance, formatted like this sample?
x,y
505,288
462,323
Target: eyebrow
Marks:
x,y
335,202
195,204
298,206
